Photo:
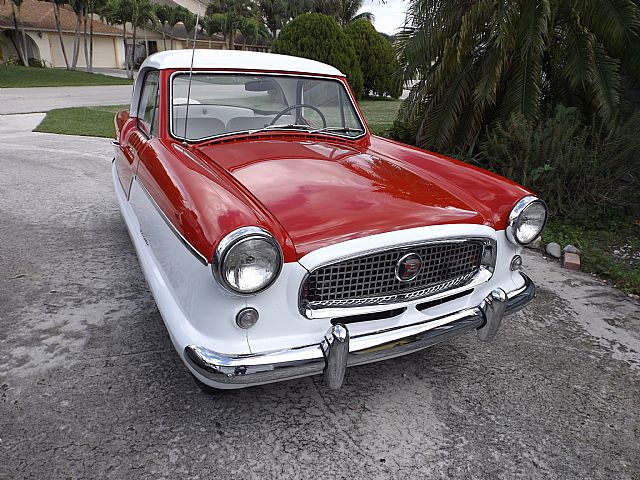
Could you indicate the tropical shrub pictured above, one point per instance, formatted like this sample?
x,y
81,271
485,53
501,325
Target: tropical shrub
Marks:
x,y
319,37
377,59
580,170
481,61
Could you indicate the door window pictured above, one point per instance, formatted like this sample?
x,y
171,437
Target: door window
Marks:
x,y
148,106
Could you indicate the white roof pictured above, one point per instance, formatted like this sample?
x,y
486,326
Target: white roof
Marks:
x,y
237,59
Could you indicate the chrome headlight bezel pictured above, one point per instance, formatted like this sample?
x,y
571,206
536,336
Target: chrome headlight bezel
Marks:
x,y
517,212
235,238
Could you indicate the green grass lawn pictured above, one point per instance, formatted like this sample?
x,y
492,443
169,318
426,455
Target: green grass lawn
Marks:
x,y
86,121
13,77
609,247
98,121
380,114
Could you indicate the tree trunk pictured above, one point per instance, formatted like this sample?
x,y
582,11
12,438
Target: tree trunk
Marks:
x,y
133,54
146,43
232,39
84,41
22,54
76,42
91,42
24,42
56,13
126,51
164,38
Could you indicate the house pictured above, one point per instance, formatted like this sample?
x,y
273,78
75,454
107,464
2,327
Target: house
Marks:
x,y
43,40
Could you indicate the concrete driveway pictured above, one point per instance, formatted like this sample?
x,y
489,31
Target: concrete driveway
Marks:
x,y
90,386
43,99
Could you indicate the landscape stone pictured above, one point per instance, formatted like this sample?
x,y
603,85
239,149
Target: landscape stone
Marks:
x,y
571,249
554,250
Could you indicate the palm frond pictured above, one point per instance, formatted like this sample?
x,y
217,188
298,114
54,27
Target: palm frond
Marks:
x,y
606,84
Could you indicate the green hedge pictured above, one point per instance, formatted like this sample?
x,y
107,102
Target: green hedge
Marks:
x,y
319,37
377,59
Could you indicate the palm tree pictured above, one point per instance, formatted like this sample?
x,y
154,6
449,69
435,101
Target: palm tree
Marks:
x,y
251,29
298,7
274,14
480,61
232,11
118,12
189,20
172,20
212,24
344,11
17,23
78,7
349,12
56,4
163,14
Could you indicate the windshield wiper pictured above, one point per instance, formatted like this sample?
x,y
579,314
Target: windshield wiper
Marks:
x,y
286,126
338,130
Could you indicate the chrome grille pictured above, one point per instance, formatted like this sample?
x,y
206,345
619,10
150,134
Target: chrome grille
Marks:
x,y
371,279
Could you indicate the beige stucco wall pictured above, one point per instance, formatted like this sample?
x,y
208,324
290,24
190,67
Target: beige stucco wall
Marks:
x,y
41,40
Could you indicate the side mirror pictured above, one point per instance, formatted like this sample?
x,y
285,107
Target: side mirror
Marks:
x,y
120,119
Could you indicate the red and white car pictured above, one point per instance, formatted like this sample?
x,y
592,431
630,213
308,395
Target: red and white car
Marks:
x,y
281,239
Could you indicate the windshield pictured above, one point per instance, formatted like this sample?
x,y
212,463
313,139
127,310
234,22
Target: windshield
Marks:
x,y
222,104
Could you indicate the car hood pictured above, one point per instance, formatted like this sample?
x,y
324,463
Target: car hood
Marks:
x,y
323,192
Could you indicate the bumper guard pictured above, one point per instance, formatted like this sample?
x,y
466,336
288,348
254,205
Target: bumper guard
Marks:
x,y
338,350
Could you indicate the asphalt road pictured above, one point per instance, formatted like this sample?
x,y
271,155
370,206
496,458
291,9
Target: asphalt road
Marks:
x,y
43,99
90,386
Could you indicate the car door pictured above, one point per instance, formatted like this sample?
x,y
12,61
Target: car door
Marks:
x,y
136,133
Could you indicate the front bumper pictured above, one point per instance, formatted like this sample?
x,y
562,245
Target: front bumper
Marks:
x,y
338,350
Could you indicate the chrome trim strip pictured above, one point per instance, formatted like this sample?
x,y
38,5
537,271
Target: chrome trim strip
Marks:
x,y
518,299
257,368
482,276
172,227
486,240
244,72
391,301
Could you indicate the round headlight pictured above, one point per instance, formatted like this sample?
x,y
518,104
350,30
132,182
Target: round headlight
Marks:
x,y
247,260
526,221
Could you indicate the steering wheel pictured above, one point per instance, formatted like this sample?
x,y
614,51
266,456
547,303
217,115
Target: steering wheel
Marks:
x,y
288,109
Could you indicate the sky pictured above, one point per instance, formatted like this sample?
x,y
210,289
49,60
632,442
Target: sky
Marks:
x,y
389,15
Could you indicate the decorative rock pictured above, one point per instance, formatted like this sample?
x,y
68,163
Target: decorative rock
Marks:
x,y
535,245
554,250
571,261
571,249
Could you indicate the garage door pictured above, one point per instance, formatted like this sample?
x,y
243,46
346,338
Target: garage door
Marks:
x,y
104,54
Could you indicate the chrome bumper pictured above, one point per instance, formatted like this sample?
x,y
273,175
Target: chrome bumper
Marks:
x,y
338,350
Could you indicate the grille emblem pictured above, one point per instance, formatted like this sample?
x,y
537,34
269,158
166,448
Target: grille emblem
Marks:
x,y
408,267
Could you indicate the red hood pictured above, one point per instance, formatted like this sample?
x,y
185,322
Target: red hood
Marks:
x,y
323,192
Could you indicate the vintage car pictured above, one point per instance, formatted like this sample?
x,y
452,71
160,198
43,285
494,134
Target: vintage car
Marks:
x,y
280,239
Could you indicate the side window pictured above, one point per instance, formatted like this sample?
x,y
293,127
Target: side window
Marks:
x,y
148,106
